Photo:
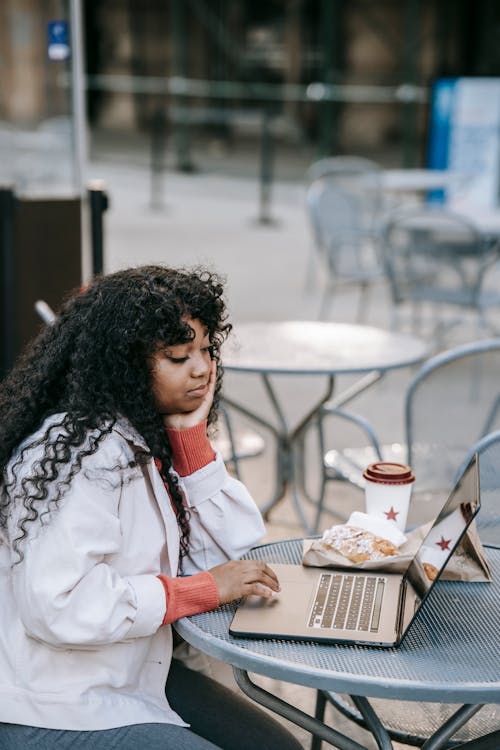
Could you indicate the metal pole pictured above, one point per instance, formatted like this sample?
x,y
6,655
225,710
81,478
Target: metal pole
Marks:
x,y
98,204
158,154
266,169
79,119
411,50
328,19
181,118
78,95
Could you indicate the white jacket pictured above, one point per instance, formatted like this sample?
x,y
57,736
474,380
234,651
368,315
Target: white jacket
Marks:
x,y
81,644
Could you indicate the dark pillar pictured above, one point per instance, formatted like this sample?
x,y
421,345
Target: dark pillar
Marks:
x,y
179,68
40,244
7,271
411,58
329,18
98,204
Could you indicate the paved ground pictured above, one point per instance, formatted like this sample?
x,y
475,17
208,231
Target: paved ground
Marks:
x,y
211,218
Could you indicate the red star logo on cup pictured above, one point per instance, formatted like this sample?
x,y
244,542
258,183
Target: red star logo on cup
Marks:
x,y
391,514
444,543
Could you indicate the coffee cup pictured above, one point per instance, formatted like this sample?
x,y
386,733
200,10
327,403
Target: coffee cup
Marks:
x,y
388,490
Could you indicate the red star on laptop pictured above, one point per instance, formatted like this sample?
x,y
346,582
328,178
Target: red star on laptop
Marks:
x,y
391,514
444,543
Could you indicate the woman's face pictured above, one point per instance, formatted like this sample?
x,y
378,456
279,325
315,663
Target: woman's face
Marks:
x,y
180,373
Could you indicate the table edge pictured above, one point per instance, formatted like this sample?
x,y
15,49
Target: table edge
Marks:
x,y
328,371
351,684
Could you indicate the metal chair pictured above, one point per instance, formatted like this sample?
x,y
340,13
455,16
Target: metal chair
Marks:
x,y
236,442
488,520
412,722
337,166
434,256
345,239
360,178
452,401
488,742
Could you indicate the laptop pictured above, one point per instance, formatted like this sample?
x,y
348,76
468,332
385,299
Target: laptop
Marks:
x,y
340,605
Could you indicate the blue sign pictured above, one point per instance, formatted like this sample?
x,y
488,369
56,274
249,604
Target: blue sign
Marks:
x,y
440,129
58,40
464,138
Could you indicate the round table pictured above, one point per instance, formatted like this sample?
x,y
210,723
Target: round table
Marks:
x,y
303,348
319,348
420,180
449,655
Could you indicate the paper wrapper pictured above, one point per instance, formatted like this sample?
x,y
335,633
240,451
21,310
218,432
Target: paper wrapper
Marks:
x,y
468,562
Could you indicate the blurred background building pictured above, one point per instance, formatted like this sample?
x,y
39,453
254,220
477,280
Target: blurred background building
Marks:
x,y
233,88
189,111
327,76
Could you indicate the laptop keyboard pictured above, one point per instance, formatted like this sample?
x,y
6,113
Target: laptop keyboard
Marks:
x,y
348,602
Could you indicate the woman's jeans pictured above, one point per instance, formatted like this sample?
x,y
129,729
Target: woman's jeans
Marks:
x,y
219,718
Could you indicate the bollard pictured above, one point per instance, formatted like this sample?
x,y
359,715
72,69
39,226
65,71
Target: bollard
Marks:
x,y
40,258
266,169
98,204
158,151
7,260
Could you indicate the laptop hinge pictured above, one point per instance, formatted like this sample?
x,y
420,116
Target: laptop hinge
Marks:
x,y
401,607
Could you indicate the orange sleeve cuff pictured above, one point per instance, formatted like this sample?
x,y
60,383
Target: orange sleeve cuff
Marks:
x,y
191,449
189,596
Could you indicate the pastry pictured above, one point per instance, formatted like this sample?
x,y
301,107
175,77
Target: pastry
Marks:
x,y
430,570
378,526
358,545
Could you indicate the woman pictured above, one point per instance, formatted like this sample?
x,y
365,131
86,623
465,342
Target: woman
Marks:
x,y
117,518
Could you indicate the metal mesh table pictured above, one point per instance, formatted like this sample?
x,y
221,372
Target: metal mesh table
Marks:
x,y
450,654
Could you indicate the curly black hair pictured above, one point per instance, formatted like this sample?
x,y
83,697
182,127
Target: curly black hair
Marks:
x,y
91,366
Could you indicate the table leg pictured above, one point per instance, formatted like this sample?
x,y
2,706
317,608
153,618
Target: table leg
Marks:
x,y
293,714
290,443
452,725
290,439
297,438
282,455
335,406
437,741
319,714
373,723
285,445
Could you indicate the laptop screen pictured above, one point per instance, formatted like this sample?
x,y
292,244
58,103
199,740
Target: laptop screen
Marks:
x,y
444,534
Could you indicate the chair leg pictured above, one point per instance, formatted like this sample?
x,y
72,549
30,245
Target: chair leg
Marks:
x,y
488,742
311,271
233,459
325,301
319,713
363,299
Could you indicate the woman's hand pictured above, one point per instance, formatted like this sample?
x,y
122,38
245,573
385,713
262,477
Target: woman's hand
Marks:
x,y
184,420
244,577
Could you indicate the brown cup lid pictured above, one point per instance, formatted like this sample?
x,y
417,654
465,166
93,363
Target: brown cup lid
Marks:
x,y
386,472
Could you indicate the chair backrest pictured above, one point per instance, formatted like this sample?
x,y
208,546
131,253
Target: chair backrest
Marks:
x,y
332,212
333,166
452,402
336,219
488,519
434,255
358,177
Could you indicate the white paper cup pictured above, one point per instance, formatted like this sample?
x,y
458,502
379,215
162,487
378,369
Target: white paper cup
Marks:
x,y
388,490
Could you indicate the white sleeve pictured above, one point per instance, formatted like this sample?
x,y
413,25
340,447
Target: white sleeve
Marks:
x,y
68,595
224,520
